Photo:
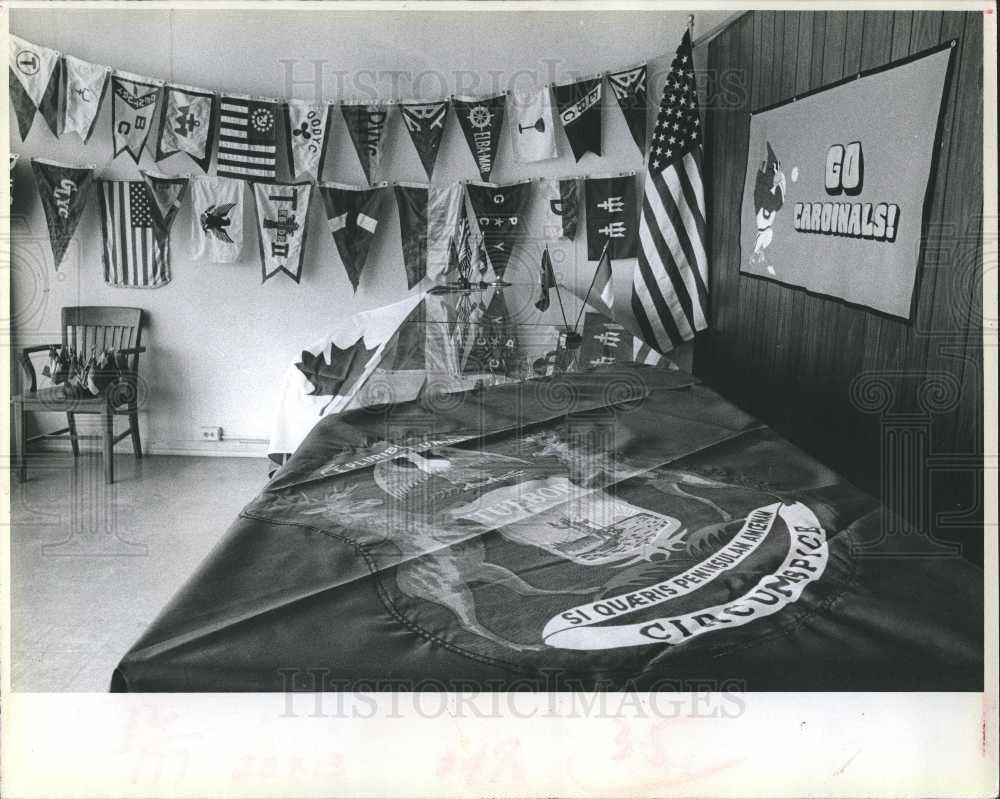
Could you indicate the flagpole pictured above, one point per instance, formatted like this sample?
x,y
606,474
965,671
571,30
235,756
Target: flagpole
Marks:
x,y
593,280
691,27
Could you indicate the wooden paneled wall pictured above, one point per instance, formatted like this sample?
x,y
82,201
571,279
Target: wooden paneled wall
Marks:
x,y
894,405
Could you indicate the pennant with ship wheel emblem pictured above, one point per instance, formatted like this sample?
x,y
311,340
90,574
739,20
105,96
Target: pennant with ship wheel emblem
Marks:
x,y
133,110
86,86
216,219
366,125
308,126
352,214
282,211
481,121
629,87
187,119
36,75
425,122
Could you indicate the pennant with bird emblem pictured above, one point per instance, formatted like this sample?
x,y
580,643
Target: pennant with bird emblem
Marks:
x,y
216,219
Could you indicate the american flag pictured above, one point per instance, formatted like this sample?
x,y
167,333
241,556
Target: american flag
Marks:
x,y
247,140
136,251
669,287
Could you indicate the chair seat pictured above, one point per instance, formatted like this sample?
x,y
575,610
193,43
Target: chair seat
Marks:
x,y
59,399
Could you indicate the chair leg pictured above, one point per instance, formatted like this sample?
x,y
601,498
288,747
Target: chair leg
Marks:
x,y
19,442
108,437
74,441
133,420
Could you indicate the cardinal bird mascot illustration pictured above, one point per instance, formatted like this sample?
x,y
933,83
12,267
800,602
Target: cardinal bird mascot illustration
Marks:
x,y
768,197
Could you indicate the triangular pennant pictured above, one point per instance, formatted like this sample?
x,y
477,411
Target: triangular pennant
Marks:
x,y
481,121
612,215
86,85
63,190
580,112
562,208
248,139
282,211
532,130
499,212
35,83
425,123
167,194
366,125
548,281
136,243
133,110
629,87
187,119
412,200
216,219
352,214
443,204
308,127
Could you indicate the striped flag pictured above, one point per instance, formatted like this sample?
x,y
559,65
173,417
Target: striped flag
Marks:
x,y
248,139
669,286
136,247
604,289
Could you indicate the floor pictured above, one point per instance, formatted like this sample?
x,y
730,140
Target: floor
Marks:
x,y
92,565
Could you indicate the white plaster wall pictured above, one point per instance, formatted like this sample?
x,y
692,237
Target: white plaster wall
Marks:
x,y
219,340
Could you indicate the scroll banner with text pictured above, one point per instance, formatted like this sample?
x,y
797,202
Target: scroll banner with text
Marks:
x,y
833,198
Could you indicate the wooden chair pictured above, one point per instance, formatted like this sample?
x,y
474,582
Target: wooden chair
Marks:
x,y
87,329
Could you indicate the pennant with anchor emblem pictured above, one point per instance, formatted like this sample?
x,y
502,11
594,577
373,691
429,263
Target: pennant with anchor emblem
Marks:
x,y
532,129
499,212
216,219
35,82
133,108
282,212
611,215
481,121
425,122
629,87
308,126
187,119
86,85
580,112
63,190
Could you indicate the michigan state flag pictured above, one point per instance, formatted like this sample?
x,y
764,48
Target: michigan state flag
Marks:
x,y
282,210
86,85
481,121
308,127
36,75
580,112
499,212
366,125
425,123
629,87
63,190
187,119
216,219
412,200
133,110
612,215
352,214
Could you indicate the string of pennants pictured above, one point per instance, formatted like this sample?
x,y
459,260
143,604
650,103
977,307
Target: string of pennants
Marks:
x,y
137,215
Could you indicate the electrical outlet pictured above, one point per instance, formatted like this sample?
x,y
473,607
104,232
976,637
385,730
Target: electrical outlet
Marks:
x,y
211,434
